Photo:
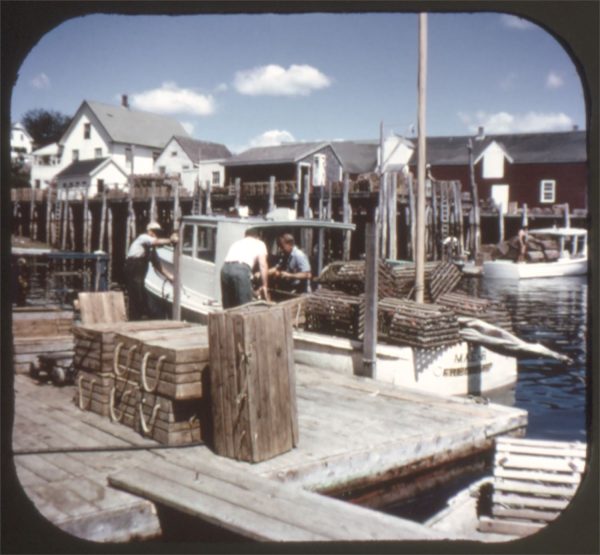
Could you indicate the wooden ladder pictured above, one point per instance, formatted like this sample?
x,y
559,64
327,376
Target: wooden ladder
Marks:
x,y
534,481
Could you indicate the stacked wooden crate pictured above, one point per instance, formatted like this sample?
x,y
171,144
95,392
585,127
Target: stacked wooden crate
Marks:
x,y
423,325
252,382
40,331
534,481
94,359
492,312
160,384
335,313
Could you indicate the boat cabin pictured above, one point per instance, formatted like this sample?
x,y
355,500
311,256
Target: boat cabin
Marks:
x,y
205,241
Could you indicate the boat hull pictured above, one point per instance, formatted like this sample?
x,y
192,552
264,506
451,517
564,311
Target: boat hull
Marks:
x,y
499,269
460,369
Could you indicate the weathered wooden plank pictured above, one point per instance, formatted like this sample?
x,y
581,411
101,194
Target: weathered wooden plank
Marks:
x,y
537,476
274,508
524,514
508,499
541,463
535,488
101,307
513,528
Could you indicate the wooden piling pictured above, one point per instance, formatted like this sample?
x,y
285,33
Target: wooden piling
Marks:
x,y
347,216
393,217
237,191
271,194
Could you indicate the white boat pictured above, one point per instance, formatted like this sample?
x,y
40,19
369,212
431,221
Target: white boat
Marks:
x,y
459,369
572,257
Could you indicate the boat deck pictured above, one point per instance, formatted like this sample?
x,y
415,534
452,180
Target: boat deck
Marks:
x,y
353,432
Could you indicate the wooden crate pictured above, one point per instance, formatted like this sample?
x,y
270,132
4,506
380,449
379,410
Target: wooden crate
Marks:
x,y
534,481
93,391
95,343
171,363
165,420
103,306
252,382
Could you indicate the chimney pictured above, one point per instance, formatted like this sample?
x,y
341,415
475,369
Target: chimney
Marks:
x,y
124,101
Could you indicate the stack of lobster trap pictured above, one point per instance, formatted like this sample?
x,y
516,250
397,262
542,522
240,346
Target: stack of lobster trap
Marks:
x,y
149,376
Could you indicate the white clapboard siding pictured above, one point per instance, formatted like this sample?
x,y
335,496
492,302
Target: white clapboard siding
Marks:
x,y
534,481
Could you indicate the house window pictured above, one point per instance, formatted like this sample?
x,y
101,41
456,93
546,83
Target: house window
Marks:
x,y
162,170
75,155
87,130
100,183
128,155
216,178
173,153
185,167
98,153
37,184
547,190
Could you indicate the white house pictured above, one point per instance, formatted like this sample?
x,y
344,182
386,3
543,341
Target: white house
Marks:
x,y
21,143
92,175
193,160
46,163
133,140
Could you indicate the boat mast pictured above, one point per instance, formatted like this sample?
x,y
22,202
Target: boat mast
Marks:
x,y
420,239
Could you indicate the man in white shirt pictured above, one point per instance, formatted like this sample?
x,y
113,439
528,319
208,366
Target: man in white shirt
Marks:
x,y
236,273
140,255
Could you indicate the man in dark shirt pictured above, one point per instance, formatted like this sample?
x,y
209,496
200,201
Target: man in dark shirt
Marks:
x,y
293,270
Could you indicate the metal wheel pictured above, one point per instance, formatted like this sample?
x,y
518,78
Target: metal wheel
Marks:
x,y
58,375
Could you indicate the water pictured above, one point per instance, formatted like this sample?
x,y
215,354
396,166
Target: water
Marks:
x,y
554,312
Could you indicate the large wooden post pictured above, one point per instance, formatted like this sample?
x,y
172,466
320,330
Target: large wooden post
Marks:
x,y
271,194
85,221
371,262
103,222
476,219
208,209
238,192
393,217
347,216
176,315
420,243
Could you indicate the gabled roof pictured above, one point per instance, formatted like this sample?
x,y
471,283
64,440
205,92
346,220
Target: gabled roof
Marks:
x,y
132,127
83,167
357,156
202,150
522,148
51,149
287,153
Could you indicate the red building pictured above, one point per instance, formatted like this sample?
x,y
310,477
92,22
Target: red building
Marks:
x,y
537,169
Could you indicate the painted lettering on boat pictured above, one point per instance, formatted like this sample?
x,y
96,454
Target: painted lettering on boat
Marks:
x,y
464,370
472,357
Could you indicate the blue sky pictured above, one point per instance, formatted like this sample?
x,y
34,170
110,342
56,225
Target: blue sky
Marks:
x,y
246,80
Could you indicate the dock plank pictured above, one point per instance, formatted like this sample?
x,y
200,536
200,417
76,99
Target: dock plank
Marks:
x,y
262,509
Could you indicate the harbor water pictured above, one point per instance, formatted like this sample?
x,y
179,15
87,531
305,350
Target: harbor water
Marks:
x,y
553,312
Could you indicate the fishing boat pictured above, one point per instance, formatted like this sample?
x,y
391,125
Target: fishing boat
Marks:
x,y
571,259
459,369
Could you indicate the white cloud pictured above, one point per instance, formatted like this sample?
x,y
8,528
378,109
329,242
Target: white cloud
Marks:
x,y
41,81
277,81
554,80
504,122
188,126
514,22
221,87
171,99
273,137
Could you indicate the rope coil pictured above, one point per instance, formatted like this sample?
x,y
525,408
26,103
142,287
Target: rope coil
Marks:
x,y
84,406
145,427
127,366
111,404
143,375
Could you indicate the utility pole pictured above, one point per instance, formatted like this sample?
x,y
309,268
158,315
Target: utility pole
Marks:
x,y
420,242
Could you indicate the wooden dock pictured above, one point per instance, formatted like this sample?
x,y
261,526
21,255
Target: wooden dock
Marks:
x,y
353,432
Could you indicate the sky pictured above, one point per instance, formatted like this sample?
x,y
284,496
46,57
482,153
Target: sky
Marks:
x,y
252,80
